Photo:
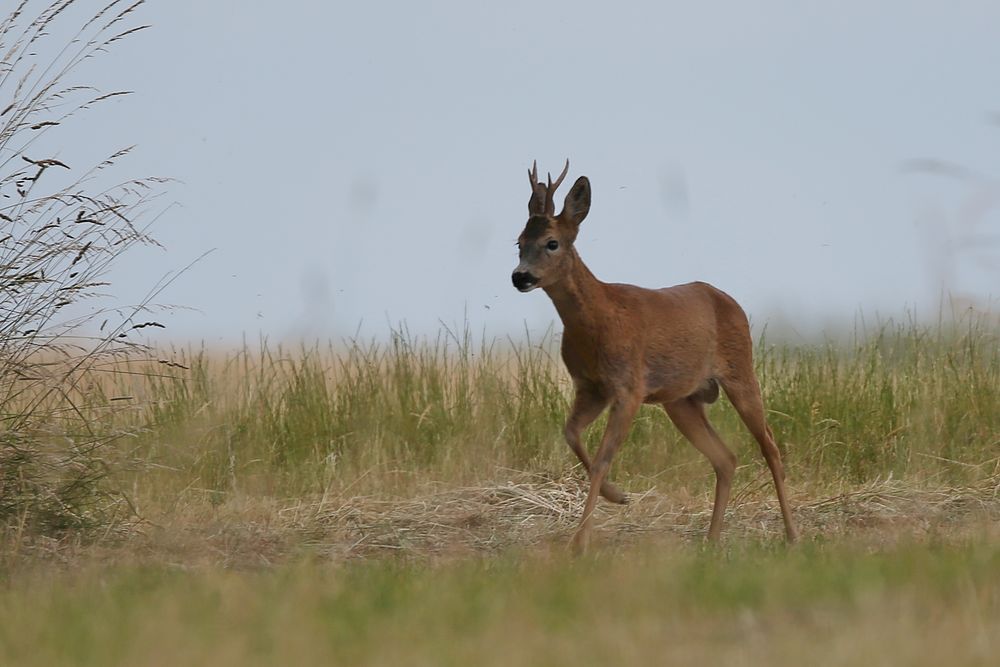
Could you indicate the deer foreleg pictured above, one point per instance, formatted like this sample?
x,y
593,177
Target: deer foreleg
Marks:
x,y
619,421
586,408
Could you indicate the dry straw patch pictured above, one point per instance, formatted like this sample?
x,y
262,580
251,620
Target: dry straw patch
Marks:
x,y
538,512
528,511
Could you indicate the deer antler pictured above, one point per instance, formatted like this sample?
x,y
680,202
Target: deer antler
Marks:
x,y
536,204
541,195
550,207
553,186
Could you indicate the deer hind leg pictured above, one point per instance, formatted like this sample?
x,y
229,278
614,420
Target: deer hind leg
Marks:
x,y
586,408
619,420
689,416
745,397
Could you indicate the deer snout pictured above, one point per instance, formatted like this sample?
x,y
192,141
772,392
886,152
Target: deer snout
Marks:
x,y
524,281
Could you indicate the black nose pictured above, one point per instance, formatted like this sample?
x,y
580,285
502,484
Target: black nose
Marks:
x,y
523,280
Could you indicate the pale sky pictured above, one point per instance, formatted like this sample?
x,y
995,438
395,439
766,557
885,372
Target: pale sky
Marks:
x,y
356,164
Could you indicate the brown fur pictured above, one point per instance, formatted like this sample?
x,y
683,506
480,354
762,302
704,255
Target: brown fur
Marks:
x,y
625,345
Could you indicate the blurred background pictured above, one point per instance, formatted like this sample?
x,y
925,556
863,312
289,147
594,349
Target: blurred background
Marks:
x,y
355,165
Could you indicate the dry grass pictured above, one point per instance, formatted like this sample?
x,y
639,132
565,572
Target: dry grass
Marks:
x,y
63,223
424,448
523,512
481,576
407,503
497,518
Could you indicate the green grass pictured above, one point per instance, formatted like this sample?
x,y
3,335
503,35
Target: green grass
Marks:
x,y
409,503
662,604
908,401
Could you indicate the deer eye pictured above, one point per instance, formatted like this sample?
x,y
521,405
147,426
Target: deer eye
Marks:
x,y
552,245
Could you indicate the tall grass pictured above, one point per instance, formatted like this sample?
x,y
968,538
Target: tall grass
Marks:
x,y
907,400
904,399
61,229
290,458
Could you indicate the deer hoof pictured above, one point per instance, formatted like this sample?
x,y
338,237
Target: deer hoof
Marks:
x,y
613,494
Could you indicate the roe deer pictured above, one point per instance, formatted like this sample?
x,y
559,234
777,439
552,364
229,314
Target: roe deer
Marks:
x,y
625,345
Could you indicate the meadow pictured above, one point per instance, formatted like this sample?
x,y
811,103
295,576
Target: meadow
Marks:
x,y
410,501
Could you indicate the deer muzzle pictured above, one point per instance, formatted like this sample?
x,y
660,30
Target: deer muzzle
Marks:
x,y
524,281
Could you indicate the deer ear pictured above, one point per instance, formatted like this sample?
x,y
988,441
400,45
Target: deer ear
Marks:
x,y
577,203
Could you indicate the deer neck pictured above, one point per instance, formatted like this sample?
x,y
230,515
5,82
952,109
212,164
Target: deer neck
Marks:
x,y
578,297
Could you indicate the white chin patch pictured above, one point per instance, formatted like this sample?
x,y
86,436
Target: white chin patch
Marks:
x,y
528,288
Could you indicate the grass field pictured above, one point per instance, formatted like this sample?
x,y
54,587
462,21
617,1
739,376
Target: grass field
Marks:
x,y
915,603
409,503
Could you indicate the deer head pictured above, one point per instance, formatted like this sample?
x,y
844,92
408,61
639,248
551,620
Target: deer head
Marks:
x,y
545,246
